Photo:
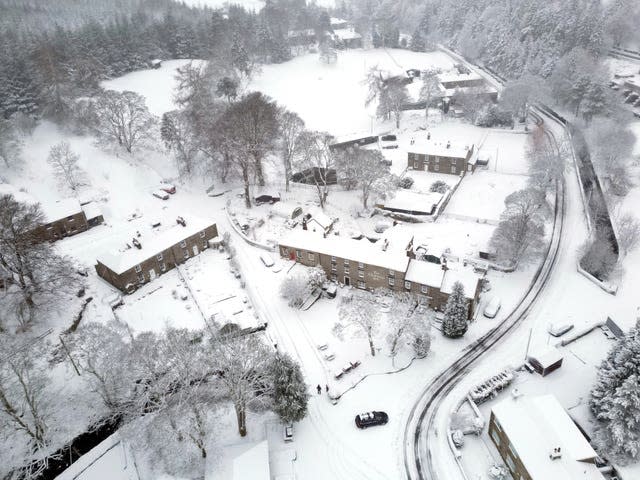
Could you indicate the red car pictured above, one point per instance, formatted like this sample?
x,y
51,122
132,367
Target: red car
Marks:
x,y
168,188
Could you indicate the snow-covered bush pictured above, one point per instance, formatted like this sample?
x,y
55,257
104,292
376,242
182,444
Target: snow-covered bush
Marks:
x,y
405,182
439,187
296,287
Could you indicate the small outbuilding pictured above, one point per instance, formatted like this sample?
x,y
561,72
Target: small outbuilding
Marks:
x,y
546,361
93,213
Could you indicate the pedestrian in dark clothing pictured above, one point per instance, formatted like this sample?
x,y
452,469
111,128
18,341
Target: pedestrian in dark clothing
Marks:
x,y
319,388
326,387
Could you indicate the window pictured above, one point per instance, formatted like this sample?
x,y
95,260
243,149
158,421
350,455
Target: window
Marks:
x,y
312,257
186,254
392,281
333,267
163,267
346,262
298,253
436,167
361,285
424,289
346,270
183,244
407,285
360,265
204,245
334,278
392,273
495,437
360,273
333,259
202,234
70,218
416,165
141,278
454,169
138,269
159,257
510,463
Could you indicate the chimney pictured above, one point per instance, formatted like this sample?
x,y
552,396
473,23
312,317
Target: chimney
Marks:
x,y
555,454
385,245
180,221
137,244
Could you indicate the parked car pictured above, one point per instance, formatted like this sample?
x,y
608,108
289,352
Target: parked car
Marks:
x,y
266,199
560,329
287,433
167,187
387,141
371,419
492,308
266,259
330,290
161,194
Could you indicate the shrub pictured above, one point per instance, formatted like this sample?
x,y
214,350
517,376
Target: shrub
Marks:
x,y
439,187
405,182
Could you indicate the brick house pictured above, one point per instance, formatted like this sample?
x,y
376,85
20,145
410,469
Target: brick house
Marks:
x,y
63,219
441,157
538,440
389,263
127,270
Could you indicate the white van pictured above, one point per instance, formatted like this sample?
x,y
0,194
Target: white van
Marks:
x,y
492,308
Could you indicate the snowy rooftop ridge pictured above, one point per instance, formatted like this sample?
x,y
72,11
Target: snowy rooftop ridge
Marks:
x,y
355,250
537,425
61,209
346,34
153,244
440,149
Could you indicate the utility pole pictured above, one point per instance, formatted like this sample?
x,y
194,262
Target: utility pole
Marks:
x,y
66,350
526,353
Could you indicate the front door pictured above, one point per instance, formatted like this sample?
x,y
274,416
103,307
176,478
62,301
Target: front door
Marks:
x,y
347,282
195,250
152,274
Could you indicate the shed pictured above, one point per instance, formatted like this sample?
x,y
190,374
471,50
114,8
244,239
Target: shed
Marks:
x,y
156,63
93,213
546,361
286,210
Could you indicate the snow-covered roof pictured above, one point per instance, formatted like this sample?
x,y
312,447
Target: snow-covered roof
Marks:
x,y
425,273
301,33
241,462
537,425
450,92
321,218
91,210
337,21
440,149
346,34
397,237
61,209
547,357
466,276
458,77
121,261
355,250
413,201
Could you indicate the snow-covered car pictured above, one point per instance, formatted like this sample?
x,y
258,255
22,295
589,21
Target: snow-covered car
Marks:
x,y
329,355
266,259
371,419
167,187
559,330
287,433
161,194
330,290
492,308
387,141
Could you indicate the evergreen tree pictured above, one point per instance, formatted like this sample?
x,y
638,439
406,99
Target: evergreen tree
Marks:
x,y
615,400
455,322
417,42
290,394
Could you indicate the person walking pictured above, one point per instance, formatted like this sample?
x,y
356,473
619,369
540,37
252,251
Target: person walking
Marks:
x,y
319,388
326,387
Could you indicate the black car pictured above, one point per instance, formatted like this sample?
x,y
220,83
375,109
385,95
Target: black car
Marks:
x,y
266,199
371,419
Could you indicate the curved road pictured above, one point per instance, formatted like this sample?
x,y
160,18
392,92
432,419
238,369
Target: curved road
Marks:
x,y
420,429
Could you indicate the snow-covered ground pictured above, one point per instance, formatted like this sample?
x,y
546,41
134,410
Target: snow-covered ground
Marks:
x,y
327,443
255,5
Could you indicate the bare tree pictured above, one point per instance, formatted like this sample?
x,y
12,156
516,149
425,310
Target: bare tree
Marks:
x,y
521,229
359,312
26,401
546,163
39,278
346,170
397,98
518,95
244,365
103,355
372,172
611,158
178,136
65,166
291,128
317,162
628,232
123,118
430,88
10,144
402,318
